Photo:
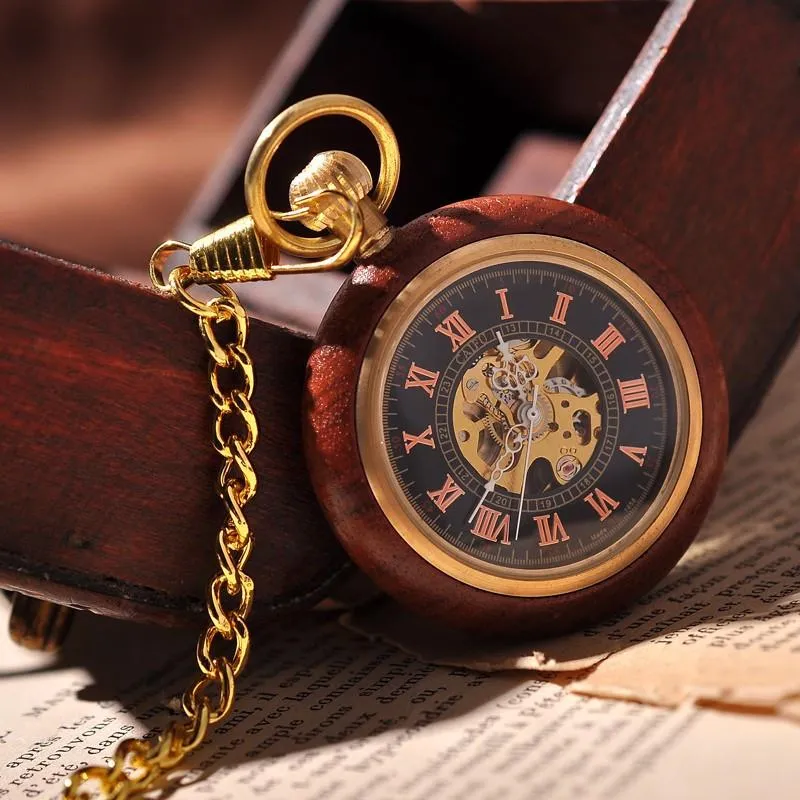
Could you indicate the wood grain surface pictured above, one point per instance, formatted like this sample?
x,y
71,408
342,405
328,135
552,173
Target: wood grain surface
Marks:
x,y
332,449
108,472
698,155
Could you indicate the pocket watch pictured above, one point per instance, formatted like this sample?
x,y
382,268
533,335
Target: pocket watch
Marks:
x,y
515,418
515,421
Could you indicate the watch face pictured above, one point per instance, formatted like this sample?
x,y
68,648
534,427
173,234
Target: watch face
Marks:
x,y
528,415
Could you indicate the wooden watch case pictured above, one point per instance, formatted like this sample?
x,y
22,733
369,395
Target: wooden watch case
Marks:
x,y
331,443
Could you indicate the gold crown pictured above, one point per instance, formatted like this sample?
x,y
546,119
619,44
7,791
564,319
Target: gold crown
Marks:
x,y
338,171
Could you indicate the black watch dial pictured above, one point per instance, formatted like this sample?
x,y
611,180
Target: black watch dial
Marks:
x,y
530,416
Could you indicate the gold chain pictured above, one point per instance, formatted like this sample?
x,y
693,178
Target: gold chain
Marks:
x,y
138,764
334,193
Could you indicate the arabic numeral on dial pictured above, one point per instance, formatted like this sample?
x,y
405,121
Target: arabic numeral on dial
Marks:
x,y
462,474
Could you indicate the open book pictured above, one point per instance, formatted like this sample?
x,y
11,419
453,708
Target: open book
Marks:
x,y
692,693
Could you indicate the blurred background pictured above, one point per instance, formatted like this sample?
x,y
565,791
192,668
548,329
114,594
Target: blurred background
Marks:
x,y
124,123
114,112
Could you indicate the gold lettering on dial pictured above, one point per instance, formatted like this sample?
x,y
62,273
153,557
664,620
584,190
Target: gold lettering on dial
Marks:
x,y
501,293
634,393
422,379
638,454
559,314
601,503
456,329
426,438
608,341
551,529
492,525
447,495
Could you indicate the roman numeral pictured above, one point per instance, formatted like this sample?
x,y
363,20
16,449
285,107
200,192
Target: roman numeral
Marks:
x,y
447,495
634,394
551,529
492,525
608,341
601,503
638,454
559,314
426,438
454,326
421,378
501,293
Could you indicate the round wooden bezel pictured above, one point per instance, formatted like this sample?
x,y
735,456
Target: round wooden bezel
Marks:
x,y
331,444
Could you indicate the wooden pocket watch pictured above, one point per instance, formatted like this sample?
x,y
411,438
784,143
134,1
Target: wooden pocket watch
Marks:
x,y
515,418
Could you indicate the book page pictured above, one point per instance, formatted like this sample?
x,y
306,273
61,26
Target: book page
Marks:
x,y
324,714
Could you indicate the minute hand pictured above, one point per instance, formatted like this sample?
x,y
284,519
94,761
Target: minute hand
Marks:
x,y
527,457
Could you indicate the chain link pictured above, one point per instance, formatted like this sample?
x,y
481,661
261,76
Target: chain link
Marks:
x,y
224,647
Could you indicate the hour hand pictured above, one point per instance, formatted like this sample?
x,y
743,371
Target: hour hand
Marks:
x,y
504,347
487,487
505,461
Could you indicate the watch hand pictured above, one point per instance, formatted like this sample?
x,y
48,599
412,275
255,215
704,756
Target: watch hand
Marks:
x,y
504,347
531,414
508,378
488,487
517,379
511,446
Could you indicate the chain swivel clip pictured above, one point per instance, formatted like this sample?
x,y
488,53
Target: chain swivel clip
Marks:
x,y
333,192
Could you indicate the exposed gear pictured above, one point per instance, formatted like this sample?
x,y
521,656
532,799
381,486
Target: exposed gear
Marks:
x,y
496,393
561,384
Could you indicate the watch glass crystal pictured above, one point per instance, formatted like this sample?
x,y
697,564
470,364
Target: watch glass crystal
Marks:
x,y
524,414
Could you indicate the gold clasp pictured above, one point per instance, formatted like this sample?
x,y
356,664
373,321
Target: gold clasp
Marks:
x,y
341,175
334,192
